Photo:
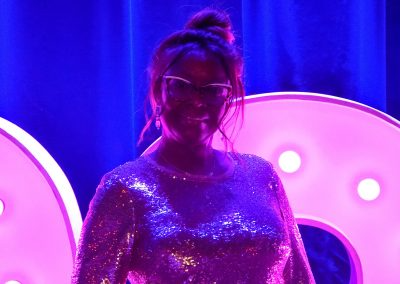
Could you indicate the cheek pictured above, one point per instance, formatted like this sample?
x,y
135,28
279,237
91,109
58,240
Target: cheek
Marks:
x,y
169,115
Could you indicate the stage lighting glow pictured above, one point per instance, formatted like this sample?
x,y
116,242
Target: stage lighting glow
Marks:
x,y
289,161
13,282
339,147
43,196
368,189
1,207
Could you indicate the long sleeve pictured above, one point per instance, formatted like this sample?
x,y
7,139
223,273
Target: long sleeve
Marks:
x,y
107,236
297,269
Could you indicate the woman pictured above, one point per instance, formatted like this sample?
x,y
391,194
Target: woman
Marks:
x,y
187,212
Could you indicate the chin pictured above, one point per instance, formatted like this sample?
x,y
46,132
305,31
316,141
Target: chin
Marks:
x,y
194,136
195,140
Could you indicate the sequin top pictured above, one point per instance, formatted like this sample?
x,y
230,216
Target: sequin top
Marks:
x,y
150,225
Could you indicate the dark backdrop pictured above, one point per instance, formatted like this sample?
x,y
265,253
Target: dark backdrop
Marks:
x,y
73,73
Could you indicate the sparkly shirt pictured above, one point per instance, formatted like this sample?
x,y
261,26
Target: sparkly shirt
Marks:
x,y
150,225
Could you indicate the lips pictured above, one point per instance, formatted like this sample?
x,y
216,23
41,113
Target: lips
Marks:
x,y
197,118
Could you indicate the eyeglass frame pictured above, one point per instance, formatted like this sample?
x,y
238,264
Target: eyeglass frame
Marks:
x,y
198,88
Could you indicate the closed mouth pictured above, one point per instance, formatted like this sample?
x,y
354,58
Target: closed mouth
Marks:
x,y
197,118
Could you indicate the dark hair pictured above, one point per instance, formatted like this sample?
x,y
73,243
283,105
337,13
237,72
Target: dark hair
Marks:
x,y
208,30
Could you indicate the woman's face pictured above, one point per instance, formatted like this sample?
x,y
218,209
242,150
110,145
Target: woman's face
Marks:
x,y
190,115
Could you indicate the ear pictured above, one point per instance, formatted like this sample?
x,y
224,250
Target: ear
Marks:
x,y
158,91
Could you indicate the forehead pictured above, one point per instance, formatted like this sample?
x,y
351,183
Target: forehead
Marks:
x,y
199,67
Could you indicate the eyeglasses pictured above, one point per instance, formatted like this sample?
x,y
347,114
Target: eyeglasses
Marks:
x,y
183,90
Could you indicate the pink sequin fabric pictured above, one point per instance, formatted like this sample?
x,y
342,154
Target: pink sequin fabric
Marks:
x,y
151,225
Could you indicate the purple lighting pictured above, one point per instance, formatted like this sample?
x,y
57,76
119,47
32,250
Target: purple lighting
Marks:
x,y
340,143
344,178
40,220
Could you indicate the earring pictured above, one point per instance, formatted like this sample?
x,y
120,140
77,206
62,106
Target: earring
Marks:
x,y
158,120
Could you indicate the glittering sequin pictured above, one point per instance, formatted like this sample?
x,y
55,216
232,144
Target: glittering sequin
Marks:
x,y
149,225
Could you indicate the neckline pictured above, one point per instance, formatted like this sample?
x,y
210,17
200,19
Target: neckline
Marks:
x,y
193,177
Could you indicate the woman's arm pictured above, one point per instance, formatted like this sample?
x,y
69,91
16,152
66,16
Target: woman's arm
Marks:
x,y
106,241
297,269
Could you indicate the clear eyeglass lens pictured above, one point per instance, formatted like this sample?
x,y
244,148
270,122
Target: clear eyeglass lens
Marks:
x,y
213,91
184,91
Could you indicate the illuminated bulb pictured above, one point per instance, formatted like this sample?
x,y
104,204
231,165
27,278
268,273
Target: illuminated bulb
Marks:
x,y
13,282
289,161
1,207
368,189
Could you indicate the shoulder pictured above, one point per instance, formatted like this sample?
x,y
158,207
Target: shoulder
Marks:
x,y
118,181
125,172
259,168
252,161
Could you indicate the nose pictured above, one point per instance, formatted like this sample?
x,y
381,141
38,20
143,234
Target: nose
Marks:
x,y
197,98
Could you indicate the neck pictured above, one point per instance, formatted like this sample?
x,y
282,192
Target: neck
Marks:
x,y
194,159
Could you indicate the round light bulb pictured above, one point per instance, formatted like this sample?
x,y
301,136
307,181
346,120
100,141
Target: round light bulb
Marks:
x,y
289,161
1,207
12,282
368,189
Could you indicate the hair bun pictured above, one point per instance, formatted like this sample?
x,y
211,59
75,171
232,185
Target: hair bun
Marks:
x,y
214,21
